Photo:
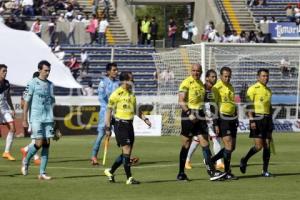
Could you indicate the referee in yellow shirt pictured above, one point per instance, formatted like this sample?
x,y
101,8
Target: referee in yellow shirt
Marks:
x,y
228,119
193,122
123,102
261,123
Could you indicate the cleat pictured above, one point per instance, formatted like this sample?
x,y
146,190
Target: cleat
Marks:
x,y
230,176
37,162
94,161
243,166
24,168
267,174
44,177
182,177
110,176
24,153
8,156
220,166
216,175
188,165
132,181
209,171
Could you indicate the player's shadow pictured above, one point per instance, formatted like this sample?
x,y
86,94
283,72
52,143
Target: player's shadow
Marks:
x,y
152,162
82,176
71,160
275,175
172,180
252,164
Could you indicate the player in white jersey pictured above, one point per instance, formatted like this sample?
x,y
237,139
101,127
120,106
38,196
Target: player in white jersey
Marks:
x,y
7,112
211,78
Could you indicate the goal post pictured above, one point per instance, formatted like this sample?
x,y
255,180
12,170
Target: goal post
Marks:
x,y
282,60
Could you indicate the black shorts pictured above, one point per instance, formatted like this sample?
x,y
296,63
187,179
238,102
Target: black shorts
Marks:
x,y
228,126
124,132
264,127
190,129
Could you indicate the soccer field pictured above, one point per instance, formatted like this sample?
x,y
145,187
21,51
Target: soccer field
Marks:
x,y
75,178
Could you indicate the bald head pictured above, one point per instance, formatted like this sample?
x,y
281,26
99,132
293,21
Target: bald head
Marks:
x,y
196,71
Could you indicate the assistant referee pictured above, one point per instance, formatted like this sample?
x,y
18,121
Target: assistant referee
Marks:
x,y
261,124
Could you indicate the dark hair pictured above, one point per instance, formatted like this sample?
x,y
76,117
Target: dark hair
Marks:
x,y
209,72
3,66
110,65
90,84
262,70
125,76
35,74
227,69
42,63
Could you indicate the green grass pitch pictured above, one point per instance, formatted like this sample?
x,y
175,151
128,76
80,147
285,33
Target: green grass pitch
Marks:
x,y
76,179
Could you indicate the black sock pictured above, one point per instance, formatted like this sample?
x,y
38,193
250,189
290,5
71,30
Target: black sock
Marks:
x,y
266,159
250,153
182,158
117,164
207,156
127,165
227,159
218,156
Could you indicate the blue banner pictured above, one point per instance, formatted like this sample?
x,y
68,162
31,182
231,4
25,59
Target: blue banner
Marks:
x,y
284,30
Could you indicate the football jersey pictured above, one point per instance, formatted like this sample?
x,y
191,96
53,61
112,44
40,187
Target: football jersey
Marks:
x,y
40,97
195,92
261,96
4,92
123,102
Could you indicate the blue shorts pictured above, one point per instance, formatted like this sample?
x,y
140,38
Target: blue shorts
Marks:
x,y
42,130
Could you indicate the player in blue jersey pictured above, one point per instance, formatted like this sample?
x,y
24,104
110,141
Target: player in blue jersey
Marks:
x,y
39,102
107,85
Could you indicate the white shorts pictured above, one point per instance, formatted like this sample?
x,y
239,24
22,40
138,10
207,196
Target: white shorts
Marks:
x,y
211,130
6,117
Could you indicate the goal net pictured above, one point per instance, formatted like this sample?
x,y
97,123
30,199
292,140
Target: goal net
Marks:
x,y
244,60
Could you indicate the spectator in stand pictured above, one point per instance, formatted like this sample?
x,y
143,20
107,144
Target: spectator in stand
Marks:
x,y
235,38
172,29
252,37
191,26
85,61
153,30
207,30
74,66
226,38
290,12
145,30
297,11
92,28
273,20
103,28
72,25
52,31
106,9
285,67
260,37
58,52
37,27
61,18
44,9
243,37
95,7
28,8
167,78
264,20
88,90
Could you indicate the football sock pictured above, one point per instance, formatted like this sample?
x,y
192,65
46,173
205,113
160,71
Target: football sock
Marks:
x,y
192,149
216,146
44,158
9,141
117,164
127,166
227,159
31,151
266,159
218,156
250,153
182,158
207,156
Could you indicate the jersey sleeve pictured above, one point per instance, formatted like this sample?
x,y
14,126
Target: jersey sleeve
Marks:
x,y
250,94
112,102
184,87
27,95
102,97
